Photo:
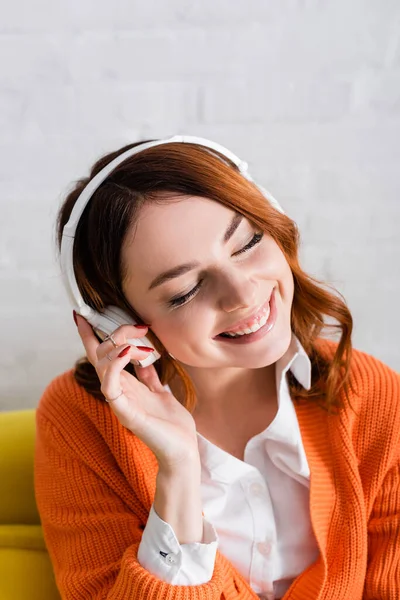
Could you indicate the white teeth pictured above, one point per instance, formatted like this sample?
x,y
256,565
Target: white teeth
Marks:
x,y
253,328
263,321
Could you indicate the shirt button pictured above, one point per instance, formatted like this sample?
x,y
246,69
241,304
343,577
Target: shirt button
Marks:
x,y
264,548
257,489
171,558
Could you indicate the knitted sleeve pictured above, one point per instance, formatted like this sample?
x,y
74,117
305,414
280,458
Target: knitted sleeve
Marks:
x,y
383,570
383,573
93,537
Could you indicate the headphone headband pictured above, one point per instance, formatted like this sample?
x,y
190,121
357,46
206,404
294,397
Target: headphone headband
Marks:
x,y
68,235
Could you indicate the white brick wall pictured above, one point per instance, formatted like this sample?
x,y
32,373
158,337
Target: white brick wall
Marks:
x,y
307,91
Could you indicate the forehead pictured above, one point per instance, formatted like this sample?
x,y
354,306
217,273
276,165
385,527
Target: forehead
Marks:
x,y
170,232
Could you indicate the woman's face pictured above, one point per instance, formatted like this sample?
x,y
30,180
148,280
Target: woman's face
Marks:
x,y
190,285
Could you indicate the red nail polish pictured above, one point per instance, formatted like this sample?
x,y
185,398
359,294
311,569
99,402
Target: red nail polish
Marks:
x,y
124,352
145,348
142,326
75,319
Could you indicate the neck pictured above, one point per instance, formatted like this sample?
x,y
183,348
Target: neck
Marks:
x,y
225,391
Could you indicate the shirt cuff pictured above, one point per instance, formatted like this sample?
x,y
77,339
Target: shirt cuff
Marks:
x,y
181,564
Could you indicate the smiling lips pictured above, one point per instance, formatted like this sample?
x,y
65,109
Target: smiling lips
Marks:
x,y
253,323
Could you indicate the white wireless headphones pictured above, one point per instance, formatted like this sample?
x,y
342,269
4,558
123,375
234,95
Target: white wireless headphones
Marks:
x,y
112,317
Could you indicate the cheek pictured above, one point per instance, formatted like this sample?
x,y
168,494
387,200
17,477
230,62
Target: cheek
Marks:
x,y
289,283
178,330
272,265
182,333
286,287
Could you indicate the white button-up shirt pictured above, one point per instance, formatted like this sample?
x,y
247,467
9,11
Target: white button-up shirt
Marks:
x,y
256,511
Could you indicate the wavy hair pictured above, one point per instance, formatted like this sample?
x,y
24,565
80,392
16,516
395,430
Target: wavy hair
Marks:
x,y
190,169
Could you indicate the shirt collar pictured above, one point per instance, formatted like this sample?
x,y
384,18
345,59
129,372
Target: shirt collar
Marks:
x,y
297,361
284,427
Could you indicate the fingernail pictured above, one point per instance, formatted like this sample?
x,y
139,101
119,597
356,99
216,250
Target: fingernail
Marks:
x,y
145,348
142,326
124,352
75,319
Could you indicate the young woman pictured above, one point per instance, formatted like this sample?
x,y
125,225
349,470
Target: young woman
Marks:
x,y
256,458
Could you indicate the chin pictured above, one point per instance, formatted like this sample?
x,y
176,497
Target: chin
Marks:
x,y
270,351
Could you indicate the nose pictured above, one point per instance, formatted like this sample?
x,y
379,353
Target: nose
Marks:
x,y
238,290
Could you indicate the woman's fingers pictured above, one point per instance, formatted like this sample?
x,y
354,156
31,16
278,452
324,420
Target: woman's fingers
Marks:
x,y
95,350
110,361
148,376
123,333
112,365
120,336
88,338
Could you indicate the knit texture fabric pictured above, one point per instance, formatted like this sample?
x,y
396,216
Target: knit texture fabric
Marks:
x,y
95,483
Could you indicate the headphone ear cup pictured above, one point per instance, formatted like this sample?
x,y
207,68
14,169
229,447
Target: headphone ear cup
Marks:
x,y
118,316
113,317
109,320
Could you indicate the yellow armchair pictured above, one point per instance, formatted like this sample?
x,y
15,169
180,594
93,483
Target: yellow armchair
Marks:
x,y
25,568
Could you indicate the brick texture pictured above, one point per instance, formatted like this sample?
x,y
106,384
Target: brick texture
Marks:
x,y
307,92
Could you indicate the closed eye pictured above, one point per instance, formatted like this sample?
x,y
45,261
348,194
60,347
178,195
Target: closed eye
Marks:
x,y
180,300
257,237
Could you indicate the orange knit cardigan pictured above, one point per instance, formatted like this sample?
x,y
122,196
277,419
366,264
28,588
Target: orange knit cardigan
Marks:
x,y
95,483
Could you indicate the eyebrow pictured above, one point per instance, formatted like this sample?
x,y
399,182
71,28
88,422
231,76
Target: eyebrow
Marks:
x,y
182,269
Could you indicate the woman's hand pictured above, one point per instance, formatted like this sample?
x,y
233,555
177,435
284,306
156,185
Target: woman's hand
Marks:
x,y
145,407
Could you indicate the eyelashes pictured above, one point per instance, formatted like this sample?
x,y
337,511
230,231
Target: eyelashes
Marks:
x,y
183,299
257,237
180,300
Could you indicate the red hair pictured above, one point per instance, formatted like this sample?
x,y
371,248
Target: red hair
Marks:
x,y
191,169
